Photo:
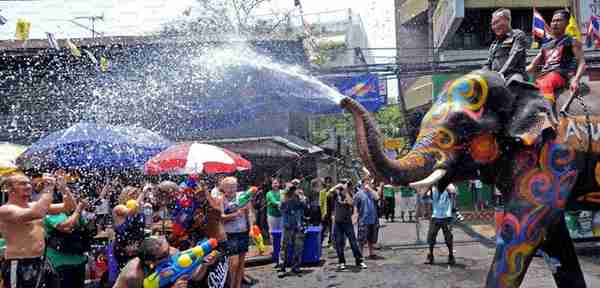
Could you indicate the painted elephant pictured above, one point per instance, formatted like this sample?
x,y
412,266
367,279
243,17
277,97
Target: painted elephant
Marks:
x,y
507,136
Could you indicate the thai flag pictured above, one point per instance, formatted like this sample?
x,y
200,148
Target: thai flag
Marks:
x,y
593,31
541,30
52,43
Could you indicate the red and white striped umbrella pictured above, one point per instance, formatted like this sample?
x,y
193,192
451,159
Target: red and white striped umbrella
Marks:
x,y
195,158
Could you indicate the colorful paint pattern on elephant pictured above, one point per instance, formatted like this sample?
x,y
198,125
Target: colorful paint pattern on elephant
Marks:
x,y
538,196
467,95
484,149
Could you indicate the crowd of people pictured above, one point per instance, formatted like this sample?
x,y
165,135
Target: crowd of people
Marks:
x,y
50,226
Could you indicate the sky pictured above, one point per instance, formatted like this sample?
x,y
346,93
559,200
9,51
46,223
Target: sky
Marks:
x,y
134,17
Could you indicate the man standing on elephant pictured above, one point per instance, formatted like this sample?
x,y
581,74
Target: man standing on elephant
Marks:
x,y
561,59
508,52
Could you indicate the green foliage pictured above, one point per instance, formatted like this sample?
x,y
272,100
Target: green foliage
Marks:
x,y
389,119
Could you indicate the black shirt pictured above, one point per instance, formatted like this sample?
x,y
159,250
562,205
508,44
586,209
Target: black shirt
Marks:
x,y
343,211
508,55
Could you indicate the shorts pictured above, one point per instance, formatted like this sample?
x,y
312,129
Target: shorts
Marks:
x,y
434,227
238,242
408,203
29,273
368,233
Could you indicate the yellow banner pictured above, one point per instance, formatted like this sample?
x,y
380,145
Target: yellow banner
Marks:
x,y
23,27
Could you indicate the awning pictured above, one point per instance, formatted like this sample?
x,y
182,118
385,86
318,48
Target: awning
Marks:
x,y
273,146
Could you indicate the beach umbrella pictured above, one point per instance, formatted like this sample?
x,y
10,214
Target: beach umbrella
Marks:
x,y
93,146
195,158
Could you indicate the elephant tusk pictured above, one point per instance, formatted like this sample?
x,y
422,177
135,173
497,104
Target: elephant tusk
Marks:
x,y
424,185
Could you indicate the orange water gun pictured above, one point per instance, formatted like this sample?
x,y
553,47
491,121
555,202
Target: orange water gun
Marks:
x,y
258,239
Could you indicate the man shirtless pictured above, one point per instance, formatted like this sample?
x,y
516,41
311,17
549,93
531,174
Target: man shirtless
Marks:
x,y
152,253
21,224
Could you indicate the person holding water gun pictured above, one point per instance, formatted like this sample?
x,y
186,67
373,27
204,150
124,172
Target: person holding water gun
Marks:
x,y
159,265
237,222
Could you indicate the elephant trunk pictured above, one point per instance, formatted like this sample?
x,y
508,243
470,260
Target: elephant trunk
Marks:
x,y
415,166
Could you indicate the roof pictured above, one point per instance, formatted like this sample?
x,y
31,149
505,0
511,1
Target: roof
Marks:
x,y
288,146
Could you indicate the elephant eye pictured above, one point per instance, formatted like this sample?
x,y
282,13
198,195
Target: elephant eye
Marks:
x,y
444,138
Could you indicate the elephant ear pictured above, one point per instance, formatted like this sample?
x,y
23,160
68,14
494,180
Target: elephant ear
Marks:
x,y
531,120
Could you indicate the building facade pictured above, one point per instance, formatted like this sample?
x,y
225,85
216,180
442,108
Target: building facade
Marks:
x,y
429,31
336,38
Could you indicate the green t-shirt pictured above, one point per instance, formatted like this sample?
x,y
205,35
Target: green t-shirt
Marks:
x,y
407,192
56,258
273,201
389,191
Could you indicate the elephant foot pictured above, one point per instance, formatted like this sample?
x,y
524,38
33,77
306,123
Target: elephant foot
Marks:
x,y
560,253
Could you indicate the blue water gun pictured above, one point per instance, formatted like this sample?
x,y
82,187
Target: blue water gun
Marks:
x,y
179,265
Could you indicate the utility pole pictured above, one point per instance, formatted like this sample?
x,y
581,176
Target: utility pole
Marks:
x,y
92,20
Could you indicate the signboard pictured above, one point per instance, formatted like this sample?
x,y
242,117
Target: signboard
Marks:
x,y
363,88
587,8
447,17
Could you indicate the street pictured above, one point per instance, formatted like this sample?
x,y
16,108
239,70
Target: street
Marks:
x,y
404,266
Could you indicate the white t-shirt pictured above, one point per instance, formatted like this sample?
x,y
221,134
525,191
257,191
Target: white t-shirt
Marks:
x,y
239,224
103,207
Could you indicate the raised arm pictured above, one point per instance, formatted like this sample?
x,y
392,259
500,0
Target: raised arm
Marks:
x,y
37,210
373,192
68,225
69,203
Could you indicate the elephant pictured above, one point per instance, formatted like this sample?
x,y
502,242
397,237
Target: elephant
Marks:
x,y
541,162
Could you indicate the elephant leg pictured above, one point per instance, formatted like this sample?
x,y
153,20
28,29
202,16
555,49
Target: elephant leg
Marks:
x,y
558,245
516,244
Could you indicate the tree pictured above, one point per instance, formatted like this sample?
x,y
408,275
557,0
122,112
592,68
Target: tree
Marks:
x,y
228,17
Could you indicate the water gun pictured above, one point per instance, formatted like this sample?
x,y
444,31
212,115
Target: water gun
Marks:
x,y
258,239
182,264
242,200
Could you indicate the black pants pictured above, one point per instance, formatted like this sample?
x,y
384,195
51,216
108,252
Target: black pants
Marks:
x,y
343,230
71,275
434,227
294,237
390,207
